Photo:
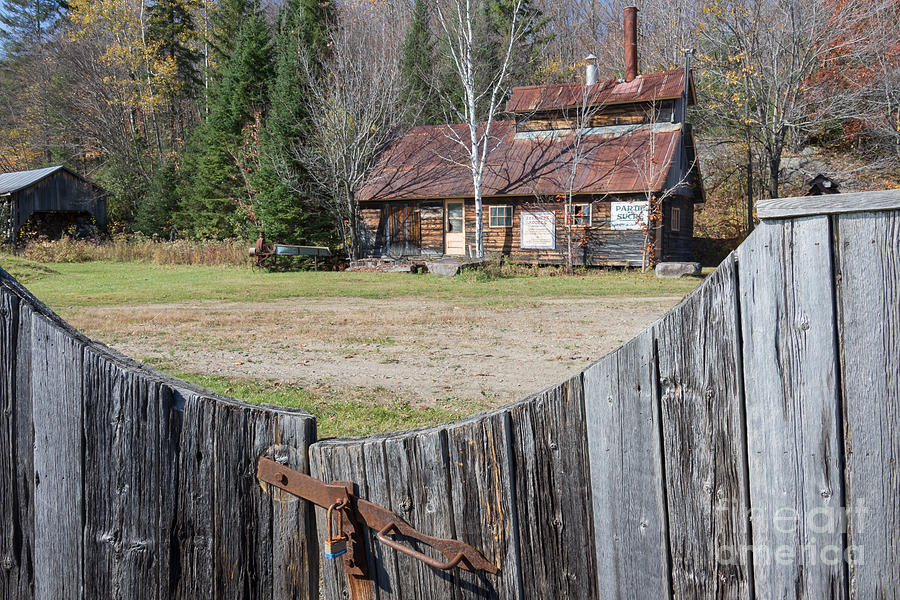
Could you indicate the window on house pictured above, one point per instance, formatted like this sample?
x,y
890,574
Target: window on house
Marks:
x,y
500,216
581,215
676,219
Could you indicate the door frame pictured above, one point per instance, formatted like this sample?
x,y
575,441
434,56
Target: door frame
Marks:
x,y
447,202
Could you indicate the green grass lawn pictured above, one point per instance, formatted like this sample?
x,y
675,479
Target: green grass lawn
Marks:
x,y
336,416
115,283
339,413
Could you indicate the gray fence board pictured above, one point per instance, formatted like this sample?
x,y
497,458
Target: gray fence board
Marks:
x,y
16,450
294,541
793,413
703,433
56,405
129,480
553,493
420,486
623,434
194,528
869,265
482,503
342,462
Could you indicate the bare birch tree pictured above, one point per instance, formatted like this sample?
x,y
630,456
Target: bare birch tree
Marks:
x,y
355,111
459,30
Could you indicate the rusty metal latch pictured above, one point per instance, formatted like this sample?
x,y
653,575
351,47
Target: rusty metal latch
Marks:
x,y
359,512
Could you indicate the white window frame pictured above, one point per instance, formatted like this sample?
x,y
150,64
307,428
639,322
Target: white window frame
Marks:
x,y
590,213
492,216
675,219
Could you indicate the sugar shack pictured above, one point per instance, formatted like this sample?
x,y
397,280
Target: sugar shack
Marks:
x,y
612,162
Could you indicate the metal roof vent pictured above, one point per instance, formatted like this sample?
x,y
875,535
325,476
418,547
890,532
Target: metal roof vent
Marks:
x,y
590,70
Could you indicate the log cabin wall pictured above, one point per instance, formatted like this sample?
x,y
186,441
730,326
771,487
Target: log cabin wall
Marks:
x,y
617,114
597,244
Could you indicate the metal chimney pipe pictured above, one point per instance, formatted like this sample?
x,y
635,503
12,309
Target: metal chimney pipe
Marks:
x,y
590,70
631,53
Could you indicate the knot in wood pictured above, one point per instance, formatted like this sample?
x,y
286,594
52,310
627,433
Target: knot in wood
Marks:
x,y
406,506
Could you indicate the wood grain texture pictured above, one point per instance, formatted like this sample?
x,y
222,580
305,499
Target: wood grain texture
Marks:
x,y
344,462
57,402
129,481
793,411
194,528
294,539
16,450
704,446
868,250
623,433
858,202
144,485
482,501
553,493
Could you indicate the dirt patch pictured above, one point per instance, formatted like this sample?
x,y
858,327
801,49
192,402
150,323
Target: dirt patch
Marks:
x,y
426,351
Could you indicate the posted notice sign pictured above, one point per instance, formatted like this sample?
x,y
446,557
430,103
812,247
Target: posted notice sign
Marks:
x,y
628,215
538,230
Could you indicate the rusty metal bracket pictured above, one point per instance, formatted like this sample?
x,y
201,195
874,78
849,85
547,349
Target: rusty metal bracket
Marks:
x,y
360,512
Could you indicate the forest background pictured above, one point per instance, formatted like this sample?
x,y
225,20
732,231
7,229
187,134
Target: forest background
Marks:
x,y
214,119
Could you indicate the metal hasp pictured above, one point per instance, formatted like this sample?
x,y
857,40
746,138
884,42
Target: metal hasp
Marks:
x,y
359,512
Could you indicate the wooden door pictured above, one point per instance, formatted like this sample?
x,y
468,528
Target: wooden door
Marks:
x,y
404,229
454,227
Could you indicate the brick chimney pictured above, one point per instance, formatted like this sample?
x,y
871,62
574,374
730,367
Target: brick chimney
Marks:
x,y
631,53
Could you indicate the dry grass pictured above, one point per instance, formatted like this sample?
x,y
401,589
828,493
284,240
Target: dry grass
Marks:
x,y
139,248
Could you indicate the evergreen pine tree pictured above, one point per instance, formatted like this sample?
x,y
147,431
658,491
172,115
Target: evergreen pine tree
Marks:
x,y
170,24
217,188
417,68
302,38
24,24
226,23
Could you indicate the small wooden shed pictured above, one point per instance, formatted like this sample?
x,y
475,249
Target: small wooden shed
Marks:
x,y
54,197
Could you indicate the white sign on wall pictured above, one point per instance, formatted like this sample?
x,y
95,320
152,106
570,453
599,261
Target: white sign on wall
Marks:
x,y
538,230
628,215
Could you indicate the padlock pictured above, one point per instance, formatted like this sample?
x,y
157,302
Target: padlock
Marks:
x,y
335,545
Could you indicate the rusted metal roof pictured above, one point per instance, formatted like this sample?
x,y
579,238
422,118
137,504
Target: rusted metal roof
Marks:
x,y
428,162
663,85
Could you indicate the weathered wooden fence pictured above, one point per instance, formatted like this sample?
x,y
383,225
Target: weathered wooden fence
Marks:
x,y
747,445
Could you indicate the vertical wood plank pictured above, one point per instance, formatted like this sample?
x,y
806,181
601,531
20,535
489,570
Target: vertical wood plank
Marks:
x,y
704,446
483,502
623,434
378,489
337,462
868,248
553,493
243,511
294,540
57,399
130,424
420,488
194,528
16,443
793,412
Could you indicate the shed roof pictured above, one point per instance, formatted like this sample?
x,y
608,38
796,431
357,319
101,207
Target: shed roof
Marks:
x,y
19,180
663,85
429,163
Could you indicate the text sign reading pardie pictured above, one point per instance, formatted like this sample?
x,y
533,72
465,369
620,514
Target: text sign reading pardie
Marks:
x,y
628,215
538,230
